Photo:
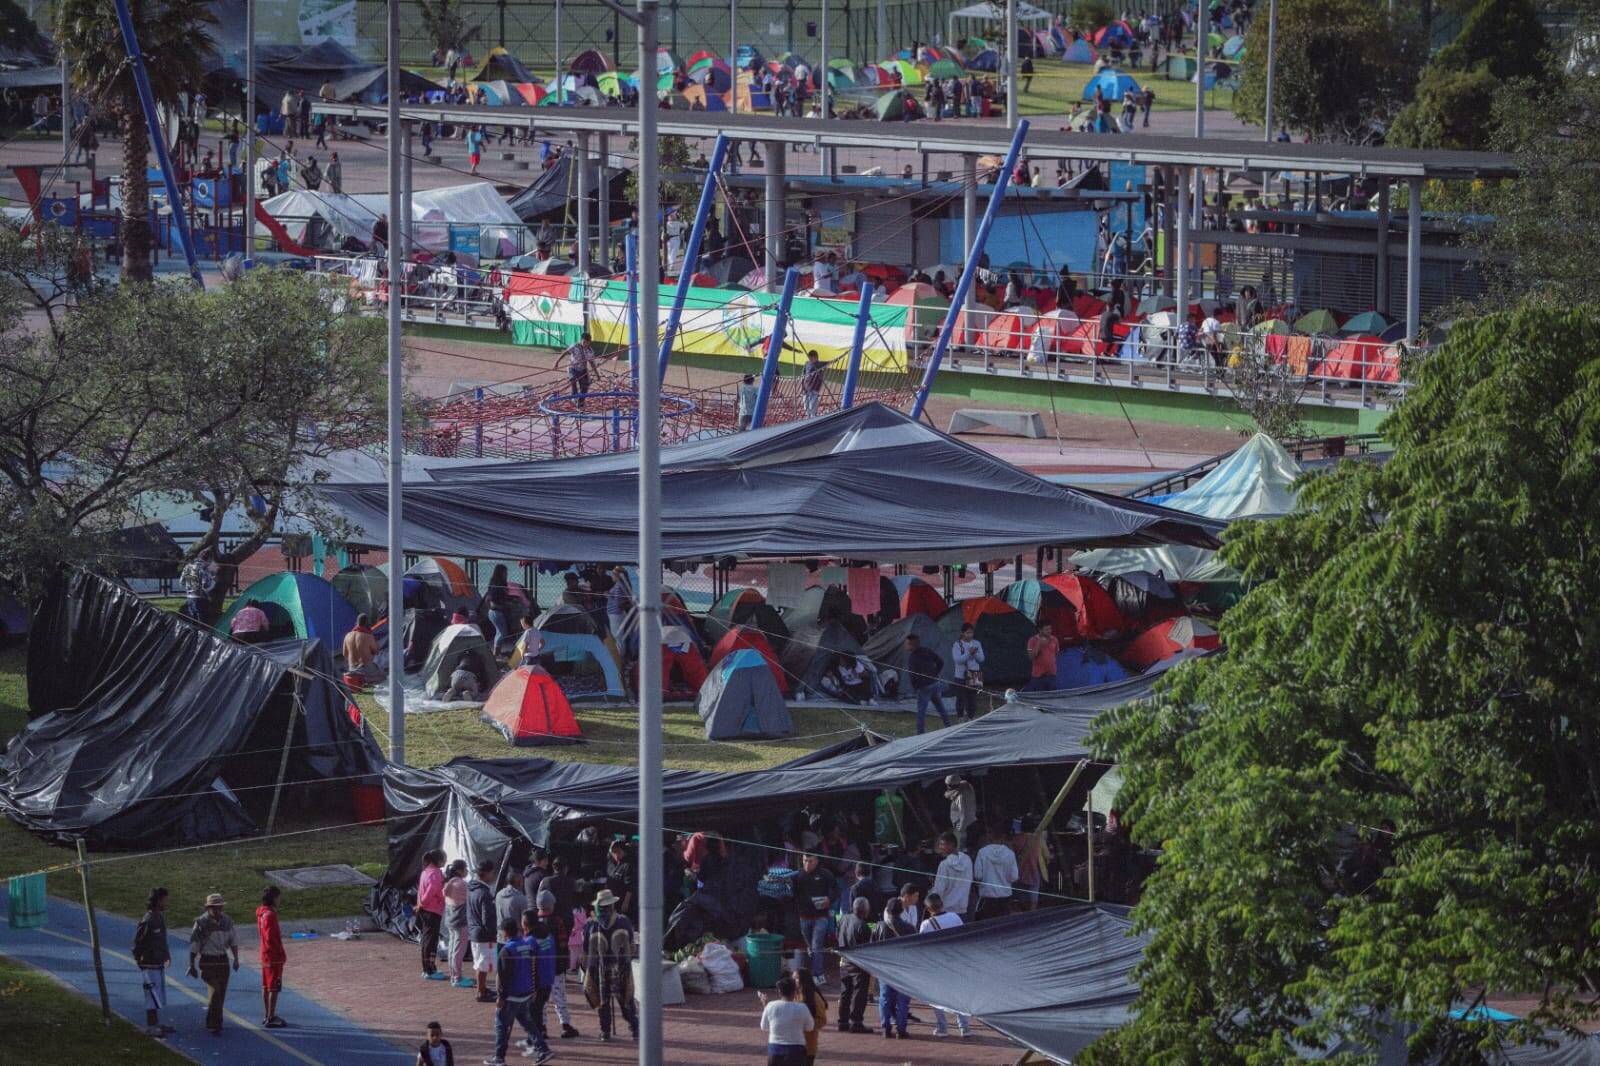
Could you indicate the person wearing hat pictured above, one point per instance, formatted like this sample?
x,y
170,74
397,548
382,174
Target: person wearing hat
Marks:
x,y
211,940
963,809
608,963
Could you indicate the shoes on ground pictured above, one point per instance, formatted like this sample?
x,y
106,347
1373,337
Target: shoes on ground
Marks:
x,y
568,1032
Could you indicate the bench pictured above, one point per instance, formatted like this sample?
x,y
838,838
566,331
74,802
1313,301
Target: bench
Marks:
x,y
1011,423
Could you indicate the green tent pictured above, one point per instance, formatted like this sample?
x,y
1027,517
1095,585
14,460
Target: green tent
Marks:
x,y
1215,41
298,605
1364,323
1317,322
891,106
1179,67
944,68
1271,325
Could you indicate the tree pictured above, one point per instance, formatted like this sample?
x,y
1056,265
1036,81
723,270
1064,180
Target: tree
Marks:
x,y
18,32
175,37
152,392
1413,665
1344,69
1501,42
1089,15
446,25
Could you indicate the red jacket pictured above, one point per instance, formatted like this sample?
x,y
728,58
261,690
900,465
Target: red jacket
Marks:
x,y
271,937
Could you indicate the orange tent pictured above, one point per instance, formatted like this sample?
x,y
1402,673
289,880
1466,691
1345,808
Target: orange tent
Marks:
x,y
1351,360
747,637
1165,639
454,577
1007,332
919,597
1097,614
529,708
972,610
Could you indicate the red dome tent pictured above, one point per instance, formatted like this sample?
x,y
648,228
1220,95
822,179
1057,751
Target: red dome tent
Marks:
x,y
747,637
1166,639
529,708
918,597
1097,614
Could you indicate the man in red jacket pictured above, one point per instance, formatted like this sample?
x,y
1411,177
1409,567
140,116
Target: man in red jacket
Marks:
x,y
272,957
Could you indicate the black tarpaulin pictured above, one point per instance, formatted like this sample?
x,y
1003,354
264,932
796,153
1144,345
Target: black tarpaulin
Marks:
x,y
1053,980
148,728
863,483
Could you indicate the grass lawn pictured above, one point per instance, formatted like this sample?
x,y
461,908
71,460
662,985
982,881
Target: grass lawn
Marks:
x,y
48,1024
1057,86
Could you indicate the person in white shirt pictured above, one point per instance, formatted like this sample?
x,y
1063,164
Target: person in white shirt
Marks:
x,y
786,1023
910,904
821,274
953,881
967,655
996,871
938,921
1211,336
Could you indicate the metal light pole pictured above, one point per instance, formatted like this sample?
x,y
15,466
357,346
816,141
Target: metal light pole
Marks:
x,y
561,91
1011,64
824,156
733,55
397,558
250,132
1272,61
1201,32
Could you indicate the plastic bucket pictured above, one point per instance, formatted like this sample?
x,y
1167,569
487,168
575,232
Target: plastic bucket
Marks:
x,y
765,952
366,802
26,902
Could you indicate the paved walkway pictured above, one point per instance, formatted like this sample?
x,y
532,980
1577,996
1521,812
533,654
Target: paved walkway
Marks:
x,y
316,1035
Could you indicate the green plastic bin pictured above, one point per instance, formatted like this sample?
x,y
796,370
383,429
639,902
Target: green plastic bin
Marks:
x,y
26,902
765,952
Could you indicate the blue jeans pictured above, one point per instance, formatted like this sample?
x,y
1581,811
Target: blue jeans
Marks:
x,y
894,1008
1042,683
516,1012
503,637
814,931
930,694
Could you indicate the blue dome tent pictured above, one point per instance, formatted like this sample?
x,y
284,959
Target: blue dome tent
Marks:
x,y
1112,84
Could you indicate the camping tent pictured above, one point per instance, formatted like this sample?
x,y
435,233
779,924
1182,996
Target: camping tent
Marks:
x,y
1166,639
1097,617
891,106
746,638
327,219
1256,481
811,652
918,597
820,604
740,700
932,496
298,605
1112,84
457,646
593,61
566,618
1144,597
583,665
148,730
529,709
1001,629
1082,666
1114,35
501,65
994,14
886,649
366,588
1079,51
446,577
1042,603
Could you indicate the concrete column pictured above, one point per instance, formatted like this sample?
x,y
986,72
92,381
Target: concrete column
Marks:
x,y
584,234
969,207
1181,293
406,226
1413,258
603,204
772,226
1381,273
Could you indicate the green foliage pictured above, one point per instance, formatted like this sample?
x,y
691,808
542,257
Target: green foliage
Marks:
x,y
1504,34
1416,648
675,158
445,24
1344,69
1089,15
61,1028
175,37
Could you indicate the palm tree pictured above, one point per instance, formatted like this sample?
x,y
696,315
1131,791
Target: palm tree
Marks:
x,y
446,25
175,37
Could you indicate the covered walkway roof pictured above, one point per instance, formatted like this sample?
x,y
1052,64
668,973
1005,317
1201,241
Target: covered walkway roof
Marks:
x,y
964,139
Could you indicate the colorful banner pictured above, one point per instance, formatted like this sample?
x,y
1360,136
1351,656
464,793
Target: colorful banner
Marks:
x,y
546,312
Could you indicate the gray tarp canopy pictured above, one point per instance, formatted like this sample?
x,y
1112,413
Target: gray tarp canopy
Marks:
x,y
863,483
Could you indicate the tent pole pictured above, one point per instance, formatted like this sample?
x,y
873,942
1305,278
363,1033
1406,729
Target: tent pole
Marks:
x,y
691,254
1089,840
853,371
769,369
288,741
970,271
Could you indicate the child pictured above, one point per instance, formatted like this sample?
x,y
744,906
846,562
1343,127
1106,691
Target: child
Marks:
x,y
435,1049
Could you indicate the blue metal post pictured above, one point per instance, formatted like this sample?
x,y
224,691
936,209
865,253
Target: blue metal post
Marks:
x,y
477,395
158,138
631,244
691,254
853,370
780,327
970,271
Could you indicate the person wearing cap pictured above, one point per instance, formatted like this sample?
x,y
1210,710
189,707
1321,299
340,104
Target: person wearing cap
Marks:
x,y
211,940
608,964
963,809
272,957
152,954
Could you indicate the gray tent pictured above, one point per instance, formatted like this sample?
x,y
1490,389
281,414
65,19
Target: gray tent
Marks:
x,y
887,647
457,646
740,699
810,653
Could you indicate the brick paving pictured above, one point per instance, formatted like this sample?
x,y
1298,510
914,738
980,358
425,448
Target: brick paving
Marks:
x,y
374,983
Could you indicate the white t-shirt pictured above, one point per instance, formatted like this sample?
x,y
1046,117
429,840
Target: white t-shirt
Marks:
x,y
941,922
436,1055
786,1022
1210,326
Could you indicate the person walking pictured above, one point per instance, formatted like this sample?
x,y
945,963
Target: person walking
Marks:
x,y
435,1050
1025,69
211,941
996,872
455,920
894,1006
335,174
560,929
1043,647
608,964
817,1004
952,883
481,927
967,655
580,359
786,1021
814,891
938,921
924,665
853,932
273,956
430,911
153,954
514,995
811,382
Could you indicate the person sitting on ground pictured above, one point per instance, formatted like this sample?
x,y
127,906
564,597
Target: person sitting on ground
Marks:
x,y
250,624
361,649
464,685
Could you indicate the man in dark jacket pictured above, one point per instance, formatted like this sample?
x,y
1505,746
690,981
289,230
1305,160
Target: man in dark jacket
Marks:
x,y
153,954
853,932
924,665
481,926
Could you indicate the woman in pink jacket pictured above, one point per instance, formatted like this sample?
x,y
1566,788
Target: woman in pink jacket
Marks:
x,y
430,912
